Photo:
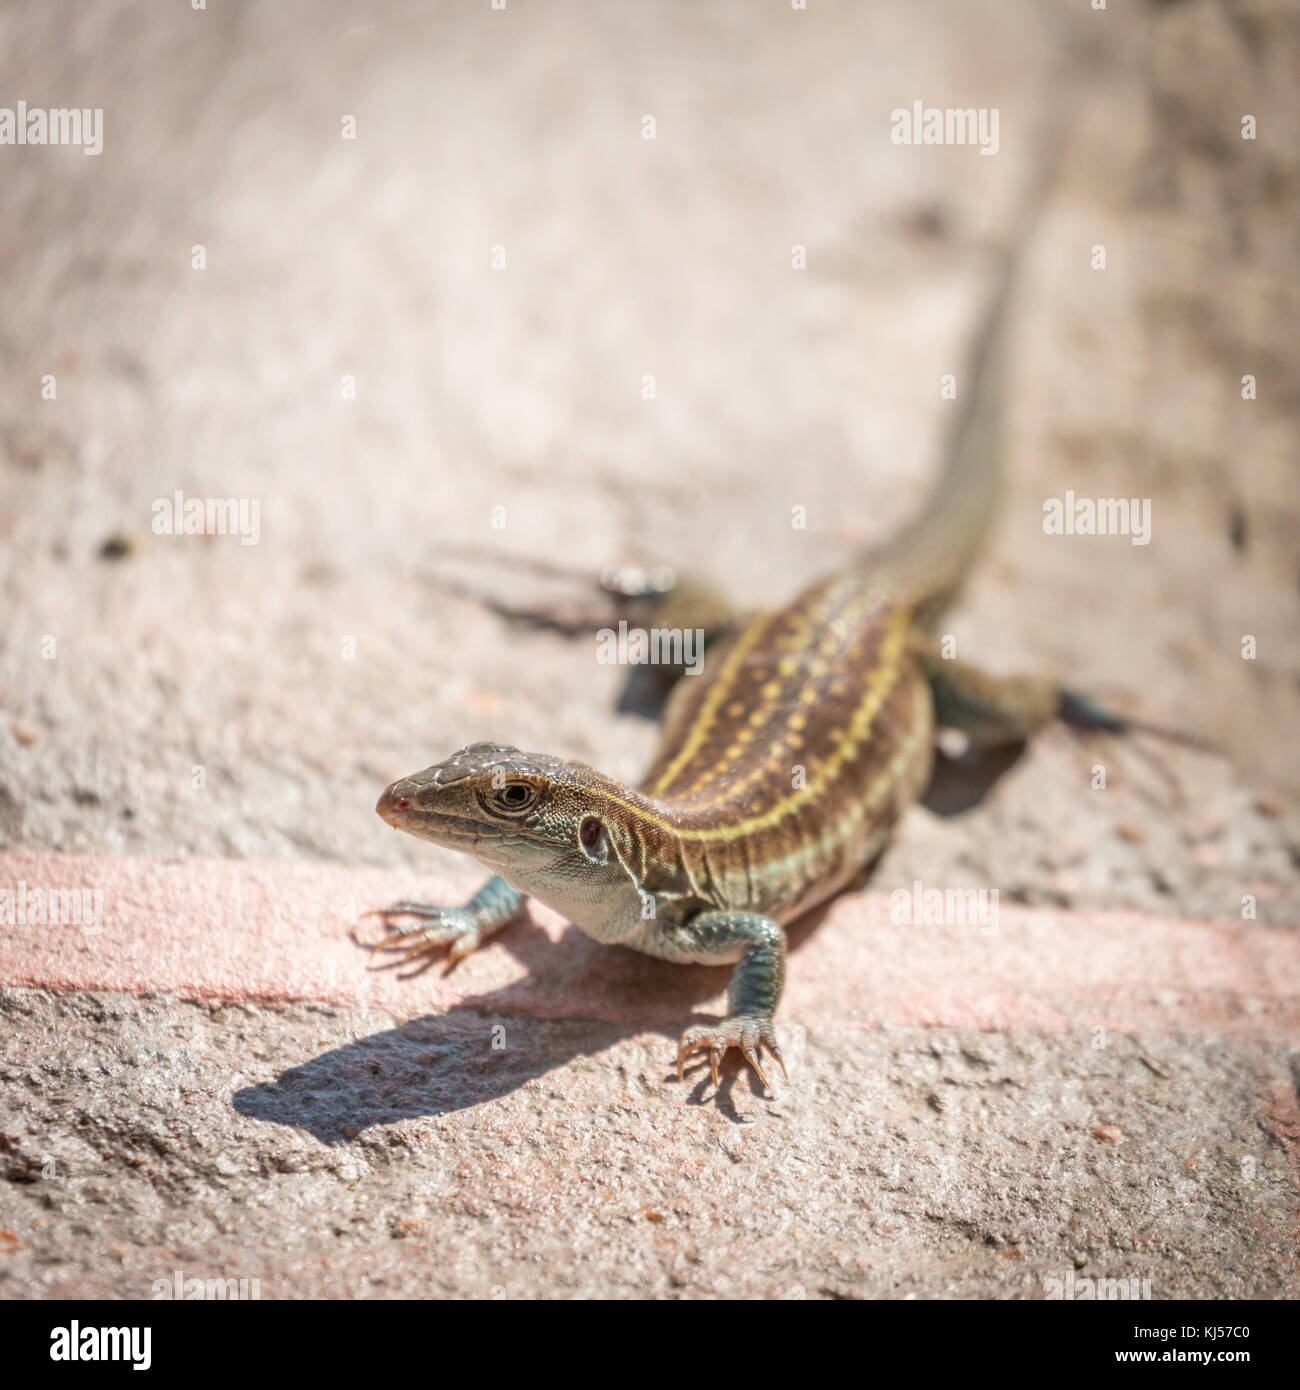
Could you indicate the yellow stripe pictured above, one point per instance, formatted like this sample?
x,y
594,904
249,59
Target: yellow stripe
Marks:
x,y
881,677
834,835
891,650
708,712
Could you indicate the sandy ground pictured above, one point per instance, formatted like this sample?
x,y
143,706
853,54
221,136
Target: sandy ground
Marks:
x,y
173,699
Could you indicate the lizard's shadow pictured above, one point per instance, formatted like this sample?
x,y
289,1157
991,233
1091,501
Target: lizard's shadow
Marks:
x,y
490,1044
958,784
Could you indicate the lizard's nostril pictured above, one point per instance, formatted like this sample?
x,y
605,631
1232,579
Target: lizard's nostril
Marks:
x,y
402,803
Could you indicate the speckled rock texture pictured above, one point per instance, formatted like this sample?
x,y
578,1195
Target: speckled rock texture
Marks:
x,y
425,354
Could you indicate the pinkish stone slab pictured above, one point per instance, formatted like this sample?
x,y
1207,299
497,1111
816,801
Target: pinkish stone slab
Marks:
x,y
232,929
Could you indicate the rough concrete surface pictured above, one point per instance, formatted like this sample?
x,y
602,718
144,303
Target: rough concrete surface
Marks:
x,y
934,1162
198,728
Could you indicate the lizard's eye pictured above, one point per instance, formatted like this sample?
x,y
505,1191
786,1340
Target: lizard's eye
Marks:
x,y
514,798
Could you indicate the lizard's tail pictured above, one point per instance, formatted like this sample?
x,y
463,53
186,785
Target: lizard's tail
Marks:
x,y
926,562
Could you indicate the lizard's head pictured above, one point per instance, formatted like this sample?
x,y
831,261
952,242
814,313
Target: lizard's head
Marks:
x,y
544,824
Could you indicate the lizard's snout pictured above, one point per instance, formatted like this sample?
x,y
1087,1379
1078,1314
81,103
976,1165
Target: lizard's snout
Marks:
x,y
394,800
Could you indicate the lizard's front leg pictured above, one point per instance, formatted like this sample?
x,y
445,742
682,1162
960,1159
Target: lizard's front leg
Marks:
x,y
754,991
460,929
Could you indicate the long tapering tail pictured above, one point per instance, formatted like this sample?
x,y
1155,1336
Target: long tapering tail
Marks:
x,y
926,561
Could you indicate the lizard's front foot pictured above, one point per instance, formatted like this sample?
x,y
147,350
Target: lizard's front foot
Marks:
x,y
457,928
748,1032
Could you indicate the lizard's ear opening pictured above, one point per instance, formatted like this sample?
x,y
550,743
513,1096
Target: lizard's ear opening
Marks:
x,y
593,839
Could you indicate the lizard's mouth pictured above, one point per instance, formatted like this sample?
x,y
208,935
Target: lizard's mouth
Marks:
x,y
399,807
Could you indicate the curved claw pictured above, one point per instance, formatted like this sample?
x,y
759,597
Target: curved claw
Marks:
x,y
750,1033
432,935
437,926
752,1058
426,911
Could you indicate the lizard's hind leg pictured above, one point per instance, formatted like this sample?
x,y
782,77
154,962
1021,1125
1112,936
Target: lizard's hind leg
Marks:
x,y
990,710
993,711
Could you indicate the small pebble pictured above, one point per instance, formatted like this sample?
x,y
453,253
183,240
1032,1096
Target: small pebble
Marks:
x,y
1108,1134
115,547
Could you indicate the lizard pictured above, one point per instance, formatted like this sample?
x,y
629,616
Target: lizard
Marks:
x,y
782,768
